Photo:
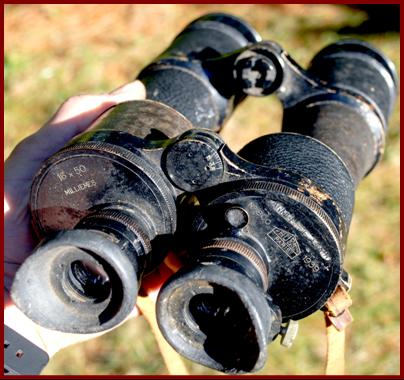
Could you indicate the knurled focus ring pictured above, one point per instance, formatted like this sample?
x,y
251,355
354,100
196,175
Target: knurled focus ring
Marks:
x,y
245,251
125,220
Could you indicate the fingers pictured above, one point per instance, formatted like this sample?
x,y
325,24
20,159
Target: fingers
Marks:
x,y
49,340
74,116
77,113
135,88
173,262
82,110
6,206
152,283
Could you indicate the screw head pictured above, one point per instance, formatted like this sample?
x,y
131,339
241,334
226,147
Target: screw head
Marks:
x,y
236,217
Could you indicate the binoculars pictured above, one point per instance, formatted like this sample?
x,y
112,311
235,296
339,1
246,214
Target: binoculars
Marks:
x,y
262,232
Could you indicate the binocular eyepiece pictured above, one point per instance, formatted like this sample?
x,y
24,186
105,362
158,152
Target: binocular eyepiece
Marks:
x,y
104,206
264,229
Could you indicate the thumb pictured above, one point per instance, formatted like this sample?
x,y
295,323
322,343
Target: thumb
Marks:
x,y
73,117
78,112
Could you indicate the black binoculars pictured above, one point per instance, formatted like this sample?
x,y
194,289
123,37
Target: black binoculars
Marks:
x,y
262,231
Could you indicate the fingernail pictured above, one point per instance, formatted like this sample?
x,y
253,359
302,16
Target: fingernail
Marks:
x,y
130,91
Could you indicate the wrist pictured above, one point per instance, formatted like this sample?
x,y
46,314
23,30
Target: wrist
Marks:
x,y
20,323
50,341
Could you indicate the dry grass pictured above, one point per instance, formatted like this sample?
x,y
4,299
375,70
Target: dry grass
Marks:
x,y
55,51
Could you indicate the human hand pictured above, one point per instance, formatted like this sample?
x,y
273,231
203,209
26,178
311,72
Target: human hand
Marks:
x,y
72,118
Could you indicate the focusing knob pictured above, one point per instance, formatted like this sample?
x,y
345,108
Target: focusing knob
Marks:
x,y
258,70
193,162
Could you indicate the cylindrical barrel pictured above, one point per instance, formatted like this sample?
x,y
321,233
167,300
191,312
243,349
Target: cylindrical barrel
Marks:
x,y
358,66
353,120
179,79
109,201
146,119
310,158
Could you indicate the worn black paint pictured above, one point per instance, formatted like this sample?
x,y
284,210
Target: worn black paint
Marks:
x,y
264,230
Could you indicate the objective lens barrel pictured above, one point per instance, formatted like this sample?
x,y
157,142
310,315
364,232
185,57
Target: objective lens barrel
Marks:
x,y
179,78
353,124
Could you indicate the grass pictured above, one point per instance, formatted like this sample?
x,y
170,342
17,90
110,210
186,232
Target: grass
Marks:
x,y
55,51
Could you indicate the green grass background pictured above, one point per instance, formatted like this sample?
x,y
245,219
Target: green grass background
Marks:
x,y
56,51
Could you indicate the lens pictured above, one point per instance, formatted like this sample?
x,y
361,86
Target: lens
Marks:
x,y
224,320
220,312
208,308
217,317
82,281
89,280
